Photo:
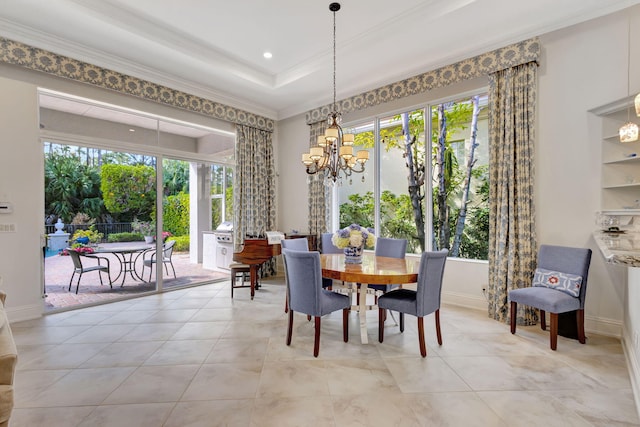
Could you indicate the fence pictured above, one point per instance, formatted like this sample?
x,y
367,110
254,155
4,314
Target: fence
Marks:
x,y
102,227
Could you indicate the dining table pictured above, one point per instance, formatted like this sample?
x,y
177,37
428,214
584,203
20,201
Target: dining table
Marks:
x,y
127,255
374,269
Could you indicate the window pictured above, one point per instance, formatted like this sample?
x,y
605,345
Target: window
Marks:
x,y
221,194
449,210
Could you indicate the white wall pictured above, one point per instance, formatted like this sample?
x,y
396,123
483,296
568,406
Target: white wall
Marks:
x,y
21,184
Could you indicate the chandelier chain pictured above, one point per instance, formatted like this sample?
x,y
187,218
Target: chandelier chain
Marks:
x,y
335,107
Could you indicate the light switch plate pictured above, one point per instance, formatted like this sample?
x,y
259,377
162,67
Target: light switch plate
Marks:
x,y
7,228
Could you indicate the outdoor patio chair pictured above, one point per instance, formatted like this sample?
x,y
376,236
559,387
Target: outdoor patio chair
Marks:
x,y
149,259
80,269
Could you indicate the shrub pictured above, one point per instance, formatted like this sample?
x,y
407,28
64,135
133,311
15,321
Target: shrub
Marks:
x,y
182,243
175,214
92,234
125,237
143,227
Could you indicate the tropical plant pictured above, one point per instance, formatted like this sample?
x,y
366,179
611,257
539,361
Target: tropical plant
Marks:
x,y
70,185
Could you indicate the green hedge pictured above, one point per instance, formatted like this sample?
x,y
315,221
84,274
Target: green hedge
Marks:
x,y
125,237
182,243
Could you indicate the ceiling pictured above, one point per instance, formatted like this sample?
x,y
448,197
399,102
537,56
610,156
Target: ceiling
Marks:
x,y
214,48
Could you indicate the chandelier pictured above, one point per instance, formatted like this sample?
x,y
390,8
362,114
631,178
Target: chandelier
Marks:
x,y
333,152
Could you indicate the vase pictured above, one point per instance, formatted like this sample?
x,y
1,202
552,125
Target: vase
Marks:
x,y
148,239
353,255
83,240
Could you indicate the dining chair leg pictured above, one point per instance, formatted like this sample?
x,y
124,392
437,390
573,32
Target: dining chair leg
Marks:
x,y
543,320
423,346
580,321
316,342
401,322
554,330
78,284
514,315
438,333
71,281
290,327
345,324
308,318
380,324
286,304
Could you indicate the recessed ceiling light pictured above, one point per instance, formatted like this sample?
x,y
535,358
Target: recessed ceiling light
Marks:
x,y
131,130
267,55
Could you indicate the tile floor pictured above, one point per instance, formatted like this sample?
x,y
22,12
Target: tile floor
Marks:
x,y
195,357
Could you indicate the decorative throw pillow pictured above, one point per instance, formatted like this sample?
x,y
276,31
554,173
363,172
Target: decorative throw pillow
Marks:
x,y
563,282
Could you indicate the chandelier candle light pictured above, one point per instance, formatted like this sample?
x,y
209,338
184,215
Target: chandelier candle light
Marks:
x,y
334,150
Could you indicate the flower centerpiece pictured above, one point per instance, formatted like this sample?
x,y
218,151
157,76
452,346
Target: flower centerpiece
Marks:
x,y
353,239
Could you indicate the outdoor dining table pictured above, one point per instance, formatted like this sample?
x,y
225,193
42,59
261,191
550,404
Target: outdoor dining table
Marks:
x,y
127,255
373,270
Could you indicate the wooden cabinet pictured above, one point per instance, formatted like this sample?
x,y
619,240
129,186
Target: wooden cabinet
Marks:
x,y
620,161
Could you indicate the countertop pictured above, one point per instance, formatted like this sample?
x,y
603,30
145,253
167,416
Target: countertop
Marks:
x,y
619,248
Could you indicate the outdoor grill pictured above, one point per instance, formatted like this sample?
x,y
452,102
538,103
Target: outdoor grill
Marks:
x,y
224,244
224,232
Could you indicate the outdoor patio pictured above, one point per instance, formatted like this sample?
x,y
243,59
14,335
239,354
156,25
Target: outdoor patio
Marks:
x,y
58,270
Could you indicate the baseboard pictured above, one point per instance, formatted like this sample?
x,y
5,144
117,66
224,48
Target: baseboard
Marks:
x,y
602,326
464,300
595,325
24,312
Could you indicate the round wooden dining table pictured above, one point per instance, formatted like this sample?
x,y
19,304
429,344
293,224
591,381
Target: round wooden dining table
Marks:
x,y
373,270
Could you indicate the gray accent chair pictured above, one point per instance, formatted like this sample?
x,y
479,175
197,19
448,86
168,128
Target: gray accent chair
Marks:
x,y
562,259
421,302
304,277
80,269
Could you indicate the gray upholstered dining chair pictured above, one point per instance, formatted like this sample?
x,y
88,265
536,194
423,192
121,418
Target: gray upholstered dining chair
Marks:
x,y
329,248
79,268
304,277
298,244
327,245
559,285
421,302
392,248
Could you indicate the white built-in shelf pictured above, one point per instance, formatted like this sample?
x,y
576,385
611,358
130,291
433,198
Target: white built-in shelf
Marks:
x,y
630,212
631,185
624,160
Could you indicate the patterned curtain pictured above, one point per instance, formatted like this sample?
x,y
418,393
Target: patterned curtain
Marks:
x,y
512,239
254,188
319,209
